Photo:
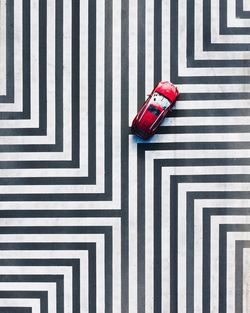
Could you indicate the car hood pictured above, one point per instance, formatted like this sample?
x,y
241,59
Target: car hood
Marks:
x,y
168,90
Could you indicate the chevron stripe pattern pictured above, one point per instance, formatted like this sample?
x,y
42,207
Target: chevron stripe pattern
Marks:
x,y
92,219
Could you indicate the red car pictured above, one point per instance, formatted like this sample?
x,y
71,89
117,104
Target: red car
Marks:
x,y
154,109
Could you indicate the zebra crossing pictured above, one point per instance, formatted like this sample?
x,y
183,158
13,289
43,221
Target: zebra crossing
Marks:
x,y
92,218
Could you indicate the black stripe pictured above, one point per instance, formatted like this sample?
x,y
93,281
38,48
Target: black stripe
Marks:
x,y
141,229
12,309
124,154
140,53
108,97
157,41
239,248
92,89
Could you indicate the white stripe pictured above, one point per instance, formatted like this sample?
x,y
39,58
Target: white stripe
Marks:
x,y
59,205
182,250
54,189
165,40
207,71
99,239
182,36
246,280
206,88
222,203
165,247
116,140
67,81
34,70
149,241
211,104
116,110
246,5
133,264
149,44
206,120
186,187
66,271
100,92
84,87
84,296
90,221
51,83
3,48
194,138
133,52
18,62
34,65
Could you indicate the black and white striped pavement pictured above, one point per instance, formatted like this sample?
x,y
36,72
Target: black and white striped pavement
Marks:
x,y
92,219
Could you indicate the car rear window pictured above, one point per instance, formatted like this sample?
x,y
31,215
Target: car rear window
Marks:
x,y
154,110
140,132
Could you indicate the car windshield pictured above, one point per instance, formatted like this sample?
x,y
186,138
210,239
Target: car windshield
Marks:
x,y
154,110
161,100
